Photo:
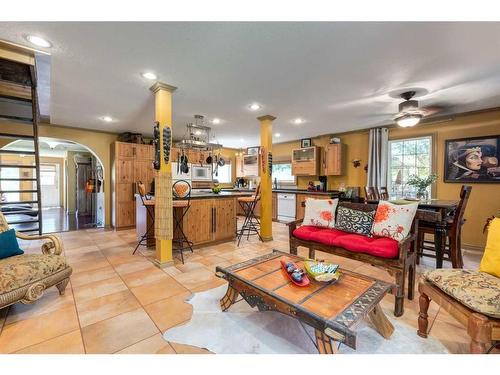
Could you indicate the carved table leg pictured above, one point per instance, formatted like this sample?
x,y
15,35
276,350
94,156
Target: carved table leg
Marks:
x,y
381,323
479,330
311,253
229,298
324,343
423,323
61,286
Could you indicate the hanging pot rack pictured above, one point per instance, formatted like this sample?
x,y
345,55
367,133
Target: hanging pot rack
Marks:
x,y
198,136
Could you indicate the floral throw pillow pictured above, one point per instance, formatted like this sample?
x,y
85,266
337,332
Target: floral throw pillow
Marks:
x,y
354,221
320,212
394,220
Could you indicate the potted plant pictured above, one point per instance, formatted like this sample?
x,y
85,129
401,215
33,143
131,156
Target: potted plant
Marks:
x,y
421,184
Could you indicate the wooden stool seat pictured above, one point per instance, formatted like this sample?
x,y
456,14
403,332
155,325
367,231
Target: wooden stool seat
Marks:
x,y
251,224
246,199
179,204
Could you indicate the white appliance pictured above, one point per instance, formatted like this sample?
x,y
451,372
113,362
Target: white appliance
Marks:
x,y
177,174
199,173
286,207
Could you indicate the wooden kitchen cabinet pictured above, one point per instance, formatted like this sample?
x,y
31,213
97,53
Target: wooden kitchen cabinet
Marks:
x,y
251,165
224,223
305,161
332,160
131,163
239,167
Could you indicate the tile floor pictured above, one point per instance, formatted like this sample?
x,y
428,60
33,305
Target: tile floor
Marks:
x,y
117,302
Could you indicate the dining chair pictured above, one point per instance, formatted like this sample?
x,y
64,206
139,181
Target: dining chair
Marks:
x,y
452,243
383,193
371,193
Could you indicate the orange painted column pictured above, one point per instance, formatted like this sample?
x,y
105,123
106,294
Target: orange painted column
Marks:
x,y
266,193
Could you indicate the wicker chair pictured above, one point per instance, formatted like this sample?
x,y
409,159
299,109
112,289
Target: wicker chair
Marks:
x,y
23,278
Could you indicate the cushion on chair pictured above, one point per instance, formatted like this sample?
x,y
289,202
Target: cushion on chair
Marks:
x,y
304,232
320,212
394,220
479,291
8,244
490,262
21,270
377,246
327,236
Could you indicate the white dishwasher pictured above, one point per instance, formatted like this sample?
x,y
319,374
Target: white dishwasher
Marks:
x,y
286,207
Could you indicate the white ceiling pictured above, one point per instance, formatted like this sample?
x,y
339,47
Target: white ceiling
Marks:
x,y
337,76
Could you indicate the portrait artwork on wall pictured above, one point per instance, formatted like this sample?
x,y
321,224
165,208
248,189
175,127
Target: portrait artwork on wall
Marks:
x,y
306,142
472,159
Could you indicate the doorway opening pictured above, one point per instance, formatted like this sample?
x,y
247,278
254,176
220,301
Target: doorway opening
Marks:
x,y
71,184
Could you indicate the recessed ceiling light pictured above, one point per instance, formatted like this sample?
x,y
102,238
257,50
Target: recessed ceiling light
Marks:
x,y
254,106
277,135
216,121
149,75
38,41
298,121
106,118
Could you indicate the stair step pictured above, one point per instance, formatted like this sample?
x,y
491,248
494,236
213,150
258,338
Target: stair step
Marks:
x,y
31,212
16,136
23,221
18,118
18,191
21,202
16,152
17,166
17,179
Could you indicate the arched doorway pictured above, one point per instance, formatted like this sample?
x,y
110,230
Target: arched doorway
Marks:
x,y
71,182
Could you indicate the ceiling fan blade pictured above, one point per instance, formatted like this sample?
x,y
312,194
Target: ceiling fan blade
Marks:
x,y
432,110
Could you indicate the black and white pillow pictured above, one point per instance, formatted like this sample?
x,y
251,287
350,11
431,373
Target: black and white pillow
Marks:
x,y
354,221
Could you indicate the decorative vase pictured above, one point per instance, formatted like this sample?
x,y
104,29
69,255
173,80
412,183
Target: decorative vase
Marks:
x,y
422,195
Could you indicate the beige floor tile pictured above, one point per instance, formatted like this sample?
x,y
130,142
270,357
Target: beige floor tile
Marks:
x,y
38,329
189,266
171,311
88,265
87,277
119,332
209,285
152,345
211,260
97,309
172,271
144,276
158,290
195,278
187,349
69,343
50,301
98,289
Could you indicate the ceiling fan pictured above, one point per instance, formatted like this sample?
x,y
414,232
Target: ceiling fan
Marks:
x,y
410,113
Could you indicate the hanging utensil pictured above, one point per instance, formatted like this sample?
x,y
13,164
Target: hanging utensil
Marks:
x,y
209,158
221,161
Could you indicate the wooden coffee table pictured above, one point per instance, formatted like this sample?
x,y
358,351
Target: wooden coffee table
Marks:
x,y
332,309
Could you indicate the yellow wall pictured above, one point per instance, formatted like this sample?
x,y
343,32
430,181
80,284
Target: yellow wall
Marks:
x,y
485,198
98,142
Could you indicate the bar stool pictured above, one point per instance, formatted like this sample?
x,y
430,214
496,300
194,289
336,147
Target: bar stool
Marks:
x,y
181,191
251,224
141,189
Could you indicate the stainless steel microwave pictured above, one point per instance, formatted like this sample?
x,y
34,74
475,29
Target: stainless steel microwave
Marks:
x,y
199,173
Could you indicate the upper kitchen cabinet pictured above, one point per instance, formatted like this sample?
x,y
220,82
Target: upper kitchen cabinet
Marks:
x,y
239,166
305,161
332,160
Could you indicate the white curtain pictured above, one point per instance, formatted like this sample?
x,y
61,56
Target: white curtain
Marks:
x,y
378,152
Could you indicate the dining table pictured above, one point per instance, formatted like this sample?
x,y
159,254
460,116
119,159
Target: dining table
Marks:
x,y
446,209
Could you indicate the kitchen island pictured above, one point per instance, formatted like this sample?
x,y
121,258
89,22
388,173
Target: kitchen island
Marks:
x,y
211,218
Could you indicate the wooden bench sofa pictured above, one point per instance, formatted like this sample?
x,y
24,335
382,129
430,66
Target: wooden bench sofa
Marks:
x,y
399,260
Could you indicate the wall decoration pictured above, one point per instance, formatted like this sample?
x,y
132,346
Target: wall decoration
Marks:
x,y
270,163
306,142
167,141
156,143
472,159
253,150
356,162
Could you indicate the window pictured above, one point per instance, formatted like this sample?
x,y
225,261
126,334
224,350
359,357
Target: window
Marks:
x,y
408,157
10,185
224,174
282,172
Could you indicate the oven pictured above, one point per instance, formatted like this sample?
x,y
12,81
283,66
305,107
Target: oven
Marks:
x,y
199,173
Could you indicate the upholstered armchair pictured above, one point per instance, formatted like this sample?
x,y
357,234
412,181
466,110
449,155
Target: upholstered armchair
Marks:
x,y
24,278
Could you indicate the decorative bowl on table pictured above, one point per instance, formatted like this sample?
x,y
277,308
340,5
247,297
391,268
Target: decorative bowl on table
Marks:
x,y
322,271
294,273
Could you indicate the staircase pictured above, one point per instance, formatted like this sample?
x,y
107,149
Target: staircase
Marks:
x,y
19,116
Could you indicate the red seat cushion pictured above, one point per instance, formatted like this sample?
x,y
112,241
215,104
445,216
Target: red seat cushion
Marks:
x,y
304,232
378,246
327,236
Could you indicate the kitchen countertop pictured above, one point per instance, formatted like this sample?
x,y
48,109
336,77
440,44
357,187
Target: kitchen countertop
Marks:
x,y
290,191
209,195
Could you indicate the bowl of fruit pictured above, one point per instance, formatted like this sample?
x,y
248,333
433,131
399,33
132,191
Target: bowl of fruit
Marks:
x,y
294,273
322,271
216,189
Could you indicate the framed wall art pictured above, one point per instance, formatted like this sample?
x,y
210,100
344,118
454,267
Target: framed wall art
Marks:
x,y
472,159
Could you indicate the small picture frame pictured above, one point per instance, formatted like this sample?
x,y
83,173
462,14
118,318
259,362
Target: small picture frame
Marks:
x,y
253,150
306,142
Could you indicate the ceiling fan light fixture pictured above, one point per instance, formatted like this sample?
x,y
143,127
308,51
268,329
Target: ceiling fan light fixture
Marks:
x,y
408,120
